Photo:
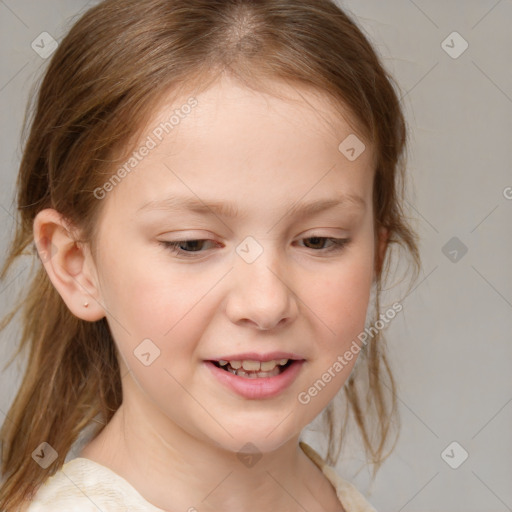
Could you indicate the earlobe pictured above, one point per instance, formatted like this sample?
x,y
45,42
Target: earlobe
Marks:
x,y
68,263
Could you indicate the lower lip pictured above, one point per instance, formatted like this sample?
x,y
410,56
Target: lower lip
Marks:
x,y
261,387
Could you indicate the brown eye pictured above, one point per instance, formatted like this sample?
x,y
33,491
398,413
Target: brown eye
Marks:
x,y
318,242
185,246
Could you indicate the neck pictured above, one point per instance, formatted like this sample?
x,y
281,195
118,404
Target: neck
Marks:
x,y
174,470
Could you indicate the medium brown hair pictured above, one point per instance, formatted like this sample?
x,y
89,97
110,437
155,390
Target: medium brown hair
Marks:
x,y
112,69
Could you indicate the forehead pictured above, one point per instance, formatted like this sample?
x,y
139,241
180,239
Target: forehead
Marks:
x,y
276,99
236,144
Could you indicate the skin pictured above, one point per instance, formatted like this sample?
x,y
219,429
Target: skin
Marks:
x,y
176,436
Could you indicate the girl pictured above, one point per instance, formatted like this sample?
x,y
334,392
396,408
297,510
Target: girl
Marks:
x,y
212,188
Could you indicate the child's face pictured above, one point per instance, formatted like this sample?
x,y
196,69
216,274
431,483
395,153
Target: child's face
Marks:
x,y
263,155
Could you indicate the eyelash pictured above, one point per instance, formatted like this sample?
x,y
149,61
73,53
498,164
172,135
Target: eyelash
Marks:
x,y
339,244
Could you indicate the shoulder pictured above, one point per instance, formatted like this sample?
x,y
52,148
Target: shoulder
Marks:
x,y
82,485
349,496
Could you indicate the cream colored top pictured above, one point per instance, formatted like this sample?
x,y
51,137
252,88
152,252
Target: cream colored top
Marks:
x,y
82,485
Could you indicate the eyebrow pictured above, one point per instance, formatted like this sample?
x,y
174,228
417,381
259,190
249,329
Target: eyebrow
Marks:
x,y
230,210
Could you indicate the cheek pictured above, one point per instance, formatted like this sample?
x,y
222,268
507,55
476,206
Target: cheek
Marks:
x,y
339,298
148,294
347,298
166,306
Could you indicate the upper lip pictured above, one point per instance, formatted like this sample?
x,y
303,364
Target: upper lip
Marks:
x,y
254,356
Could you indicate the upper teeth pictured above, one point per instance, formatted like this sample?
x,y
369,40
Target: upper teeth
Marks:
x,y
250,365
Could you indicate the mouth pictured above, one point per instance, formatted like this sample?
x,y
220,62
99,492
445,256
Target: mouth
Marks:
x,y
255,379
254,369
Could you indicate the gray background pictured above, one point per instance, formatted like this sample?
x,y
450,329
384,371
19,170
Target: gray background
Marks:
x,y
451,347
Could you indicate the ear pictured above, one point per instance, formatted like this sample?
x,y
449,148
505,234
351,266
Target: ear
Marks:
x,y
381,247
69,265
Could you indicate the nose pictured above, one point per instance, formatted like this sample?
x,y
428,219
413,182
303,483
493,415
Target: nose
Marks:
x,y
262,294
